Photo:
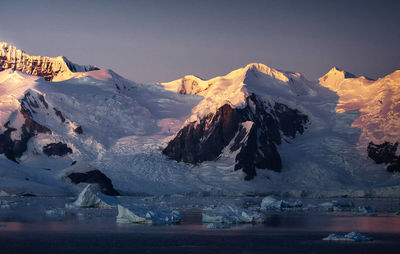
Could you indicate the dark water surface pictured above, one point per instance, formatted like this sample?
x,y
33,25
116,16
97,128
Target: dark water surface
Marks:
x,y
25,228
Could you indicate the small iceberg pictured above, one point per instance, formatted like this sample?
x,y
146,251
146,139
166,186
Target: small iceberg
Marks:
x,y
337,206
4,193
352,236
5,204
147,214
231,214
90,198
365,211
271,203
55,212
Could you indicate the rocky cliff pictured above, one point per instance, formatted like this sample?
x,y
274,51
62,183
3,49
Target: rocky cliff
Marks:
x,y
51,68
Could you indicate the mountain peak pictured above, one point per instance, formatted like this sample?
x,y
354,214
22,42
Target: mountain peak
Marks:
x,y
337,71
262,68
335,77
51,68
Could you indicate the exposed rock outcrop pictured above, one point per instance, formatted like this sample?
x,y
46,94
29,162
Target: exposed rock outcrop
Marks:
x,y
58,149
95,177
385,153
51,68
252,132
78,130
14,149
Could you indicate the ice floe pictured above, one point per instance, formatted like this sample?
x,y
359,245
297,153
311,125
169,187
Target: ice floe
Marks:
x,y
365,211
352,236
55,212
272,203
4,204
337,206
231,214
147,214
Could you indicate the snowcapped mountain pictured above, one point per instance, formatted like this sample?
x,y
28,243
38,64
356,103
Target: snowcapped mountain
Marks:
x,y
286,133
234,118
378,103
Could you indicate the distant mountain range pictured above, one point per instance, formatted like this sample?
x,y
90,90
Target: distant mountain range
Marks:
x,y
64,124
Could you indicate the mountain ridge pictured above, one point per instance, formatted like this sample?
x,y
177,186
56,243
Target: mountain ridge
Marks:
x,y
276,128
51,68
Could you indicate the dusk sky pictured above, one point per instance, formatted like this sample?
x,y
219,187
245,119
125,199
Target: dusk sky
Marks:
x,y
150,41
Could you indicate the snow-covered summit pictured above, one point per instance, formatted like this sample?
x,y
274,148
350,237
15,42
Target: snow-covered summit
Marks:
x,y
235,87
191,84
335,77
51,68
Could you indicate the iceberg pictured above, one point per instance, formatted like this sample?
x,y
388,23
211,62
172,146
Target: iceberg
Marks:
x,y
352,236
338,206
365,211
147,214
4,193
271,203
4,204
231,214
55,212
90,198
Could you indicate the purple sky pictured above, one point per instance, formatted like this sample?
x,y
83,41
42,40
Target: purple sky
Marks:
x,y
149,41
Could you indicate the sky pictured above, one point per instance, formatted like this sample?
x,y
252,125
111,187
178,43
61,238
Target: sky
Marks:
x,y
158,41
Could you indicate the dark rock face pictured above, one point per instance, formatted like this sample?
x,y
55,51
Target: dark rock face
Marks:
x,y
58,149
46,67
78,130
79,68
97,177
59,114
204,141
385,153
14,149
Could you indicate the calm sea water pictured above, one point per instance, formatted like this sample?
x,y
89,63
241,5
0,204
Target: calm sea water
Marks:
x,y
25,228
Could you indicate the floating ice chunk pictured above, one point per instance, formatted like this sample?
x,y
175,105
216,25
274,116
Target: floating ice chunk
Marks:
x,y
352,236
146,214
342,205
55,212
4,194
310,207
218,225
5,204
326,206
90,198
337,205
271,203
365,211
231,214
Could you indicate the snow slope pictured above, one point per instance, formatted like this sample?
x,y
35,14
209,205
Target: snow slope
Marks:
x,y
126,125
378,102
